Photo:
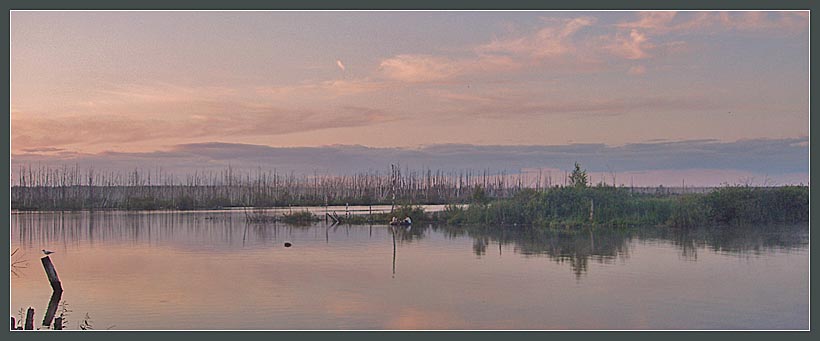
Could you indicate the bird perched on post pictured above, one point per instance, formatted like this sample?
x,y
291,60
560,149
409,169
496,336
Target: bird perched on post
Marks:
x,y
47,252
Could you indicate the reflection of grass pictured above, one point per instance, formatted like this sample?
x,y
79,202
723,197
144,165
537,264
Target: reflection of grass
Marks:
x,y
17,262
258,217
64,313
86,324
21,318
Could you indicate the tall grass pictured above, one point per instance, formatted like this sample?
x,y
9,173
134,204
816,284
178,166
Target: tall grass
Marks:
x,y
571,206
73,188
494,198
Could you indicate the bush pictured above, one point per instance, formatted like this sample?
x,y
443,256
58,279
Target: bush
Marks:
x,y
299,217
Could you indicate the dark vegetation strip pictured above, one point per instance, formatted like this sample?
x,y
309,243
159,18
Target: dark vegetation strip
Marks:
x,y
492,199
617,207
612,206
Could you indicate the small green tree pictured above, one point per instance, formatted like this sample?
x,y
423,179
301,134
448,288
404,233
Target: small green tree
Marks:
x,y
480,196
578,178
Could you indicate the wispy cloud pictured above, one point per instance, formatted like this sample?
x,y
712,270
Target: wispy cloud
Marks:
x,y
139,114
637,70
421,68
414,68
326,89
524,103
560,43
553,40
662,22
499,55
631,46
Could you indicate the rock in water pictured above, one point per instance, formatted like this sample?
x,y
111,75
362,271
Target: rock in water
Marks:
x,y
288,244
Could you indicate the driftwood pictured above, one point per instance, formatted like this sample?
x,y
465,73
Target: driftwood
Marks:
x,y
335,217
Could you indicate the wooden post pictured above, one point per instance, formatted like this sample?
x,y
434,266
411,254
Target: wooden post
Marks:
x,y
52,274
29,319
13,323
58,323
393,229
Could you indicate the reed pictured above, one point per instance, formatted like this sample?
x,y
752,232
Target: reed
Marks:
x,y
73,188
572,206
496,198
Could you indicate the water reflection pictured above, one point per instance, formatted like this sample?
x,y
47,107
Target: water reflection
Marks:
x,y
604,245
424,277
213,231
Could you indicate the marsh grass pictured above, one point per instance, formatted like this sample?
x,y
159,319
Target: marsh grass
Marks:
x,y
299,217
73,188
617,207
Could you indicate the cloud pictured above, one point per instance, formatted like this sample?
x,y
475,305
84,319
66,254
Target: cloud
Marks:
x,y
637,70
632,46
329,89
43,150
742,21
550,41
561,44
135,113
525,104
420,68
653,21
761,157
209,121
499,55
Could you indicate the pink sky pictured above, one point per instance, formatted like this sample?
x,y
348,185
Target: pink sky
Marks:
x,y
93,82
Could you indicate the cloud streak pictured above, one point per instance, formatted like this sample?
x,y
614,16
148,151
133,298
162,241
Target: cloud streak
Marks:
x,y
138,113
664,22
771,157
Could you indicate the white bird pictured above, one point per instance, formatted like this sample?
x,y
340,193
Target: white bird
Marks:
x,y
47,252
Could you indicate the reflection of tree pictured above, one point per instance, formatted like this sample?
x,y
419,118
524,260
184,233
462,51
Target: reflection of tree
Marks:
x,y
574,247
733,239
409,234
604,245
480,245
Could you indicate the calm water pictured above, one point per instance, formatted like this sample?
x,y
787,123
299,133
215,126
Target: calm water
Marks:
x,y
211,270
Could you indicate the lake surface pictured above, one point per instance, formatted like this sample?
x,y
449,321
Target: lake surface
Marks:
x,y
211,270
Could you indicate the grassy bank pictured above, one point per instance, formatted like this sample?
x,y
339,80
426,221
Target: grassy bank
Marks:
x,y
570,206
610,206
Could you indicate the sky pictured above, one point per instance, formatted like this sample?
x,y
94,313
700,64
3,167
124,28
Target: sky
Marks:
x,y
700,94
